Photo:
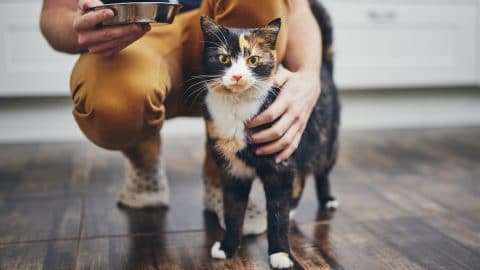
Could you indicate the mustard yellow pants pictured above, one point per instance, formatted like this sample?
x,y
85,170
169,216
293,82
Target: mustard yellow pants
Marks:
x,y
120,102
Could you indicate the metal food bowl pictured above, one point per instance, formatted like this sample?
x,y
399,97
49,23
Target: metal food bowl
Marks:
x,y
140,12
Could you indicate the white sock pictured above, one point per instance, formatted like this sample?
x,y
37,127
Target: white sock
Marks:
x,y
255,221
145,187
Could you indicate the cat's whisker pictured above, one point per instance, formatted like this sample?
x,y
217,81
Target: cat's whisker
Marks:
x,y
200,78
193,85
223,41
198,90
202,81
223,36
217,44
195,91
182,85
193,96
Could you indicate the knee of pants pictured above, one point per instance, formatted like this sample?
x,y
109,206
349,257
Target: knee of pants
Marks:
x,y
117,119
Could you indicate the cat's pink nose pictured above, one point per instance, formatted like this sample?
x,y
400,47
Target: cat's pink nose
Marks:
x,y
237,77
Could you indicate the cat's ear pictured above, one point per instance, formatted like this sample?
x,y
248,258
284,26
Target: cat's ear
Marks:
x,y
210,28
270,32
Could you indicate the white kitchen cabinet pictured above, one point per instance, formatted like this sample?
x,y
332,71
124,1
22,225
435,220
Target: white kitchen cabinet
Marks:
x,y
378,44
384,44
28,66
478,43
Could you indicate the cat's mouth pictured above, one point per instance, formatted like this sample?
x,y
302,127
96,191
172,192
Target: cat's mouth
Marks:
x,y
237,88
231,89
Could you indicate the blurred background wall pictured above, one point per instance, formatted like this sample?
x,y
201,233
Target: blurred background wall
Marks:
x,y
399,64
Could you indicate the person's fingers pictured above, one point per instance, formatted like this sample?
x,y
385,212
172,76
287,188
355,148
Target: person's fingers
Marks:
x,y
287,152
108,34
281,77
86,4
90,20
279,145
276,131
278,107
120,43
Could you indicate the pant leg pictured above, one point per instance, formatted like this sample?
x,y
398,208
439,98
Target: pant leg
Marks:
x,y
119,101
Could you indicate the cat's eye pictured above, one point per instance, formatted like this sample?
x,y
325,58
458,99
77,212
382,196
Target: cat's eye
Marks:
x,y
224,59
252,61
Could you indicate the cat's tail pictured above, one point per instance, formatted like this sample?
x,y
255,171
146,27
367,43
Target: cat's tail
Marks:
x,y
325,24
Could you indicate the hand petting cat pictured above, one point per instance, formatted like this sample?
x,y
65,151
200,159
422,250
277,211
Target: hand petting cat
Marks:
x,y
293,106
104,41
299,89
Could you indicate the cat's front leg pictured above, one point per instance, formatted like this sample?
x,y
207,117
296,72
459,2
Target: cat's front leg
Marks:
x,y
278,191
235,196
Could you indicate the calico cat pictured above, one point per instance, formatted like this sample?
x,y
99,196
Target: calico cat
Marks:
x,y
240,65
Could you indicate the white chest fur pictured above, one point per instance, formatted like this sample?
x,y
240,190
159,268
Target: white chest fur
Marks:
x,y
229,114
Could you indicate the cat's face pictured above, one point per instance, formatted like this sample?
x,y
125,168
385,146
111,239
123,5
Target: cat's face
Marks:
x,y
236,61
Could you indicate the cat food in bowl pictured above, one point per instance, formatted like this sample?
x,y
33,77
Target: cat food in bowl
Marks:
x,y
140,12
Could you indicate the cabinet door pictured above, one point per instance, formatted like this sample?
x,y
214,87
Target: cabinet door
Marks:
x,y
404,44
478,44
28,66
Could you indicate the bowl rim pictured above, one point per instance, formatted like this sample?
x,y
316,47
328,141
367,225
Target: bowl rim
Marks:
x,y
135,3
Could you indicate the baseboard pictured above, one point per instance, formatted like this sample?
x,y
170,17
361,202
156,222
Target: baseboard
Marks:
x,y
50,119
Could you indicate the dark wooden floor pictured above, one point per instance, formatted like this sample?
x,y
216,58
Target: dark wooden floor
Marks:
x,y
409,200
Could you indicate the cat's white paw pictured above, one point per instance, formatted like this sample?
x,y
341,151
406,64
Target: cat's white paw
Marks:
x,y
280,260
292,213
217,253
333,204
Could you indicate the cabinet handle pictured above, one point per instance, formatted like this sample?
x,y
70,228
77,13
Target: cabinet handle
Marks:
x,y
383,16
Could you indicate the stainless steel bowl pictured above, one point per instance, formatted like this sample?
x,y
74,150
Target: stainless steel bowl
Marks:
x,y
140,12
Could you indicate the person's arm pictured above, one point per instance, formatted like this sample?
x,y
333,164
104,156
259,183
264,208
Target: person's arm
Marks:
x,y
56,23
69,28
300,87
304,44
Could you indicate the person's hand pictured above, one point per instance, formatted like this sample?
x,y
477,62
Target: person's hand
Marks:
x,y
105,41
299,92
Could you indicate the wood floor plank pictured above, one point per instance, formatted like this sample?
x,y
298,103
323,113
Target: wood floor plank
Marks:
x,y
432,182
49,172
165,251
7,182
41,219
116,253
454,227
409,200
471,220
15,157
346,244
43,255
423,244
103,217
